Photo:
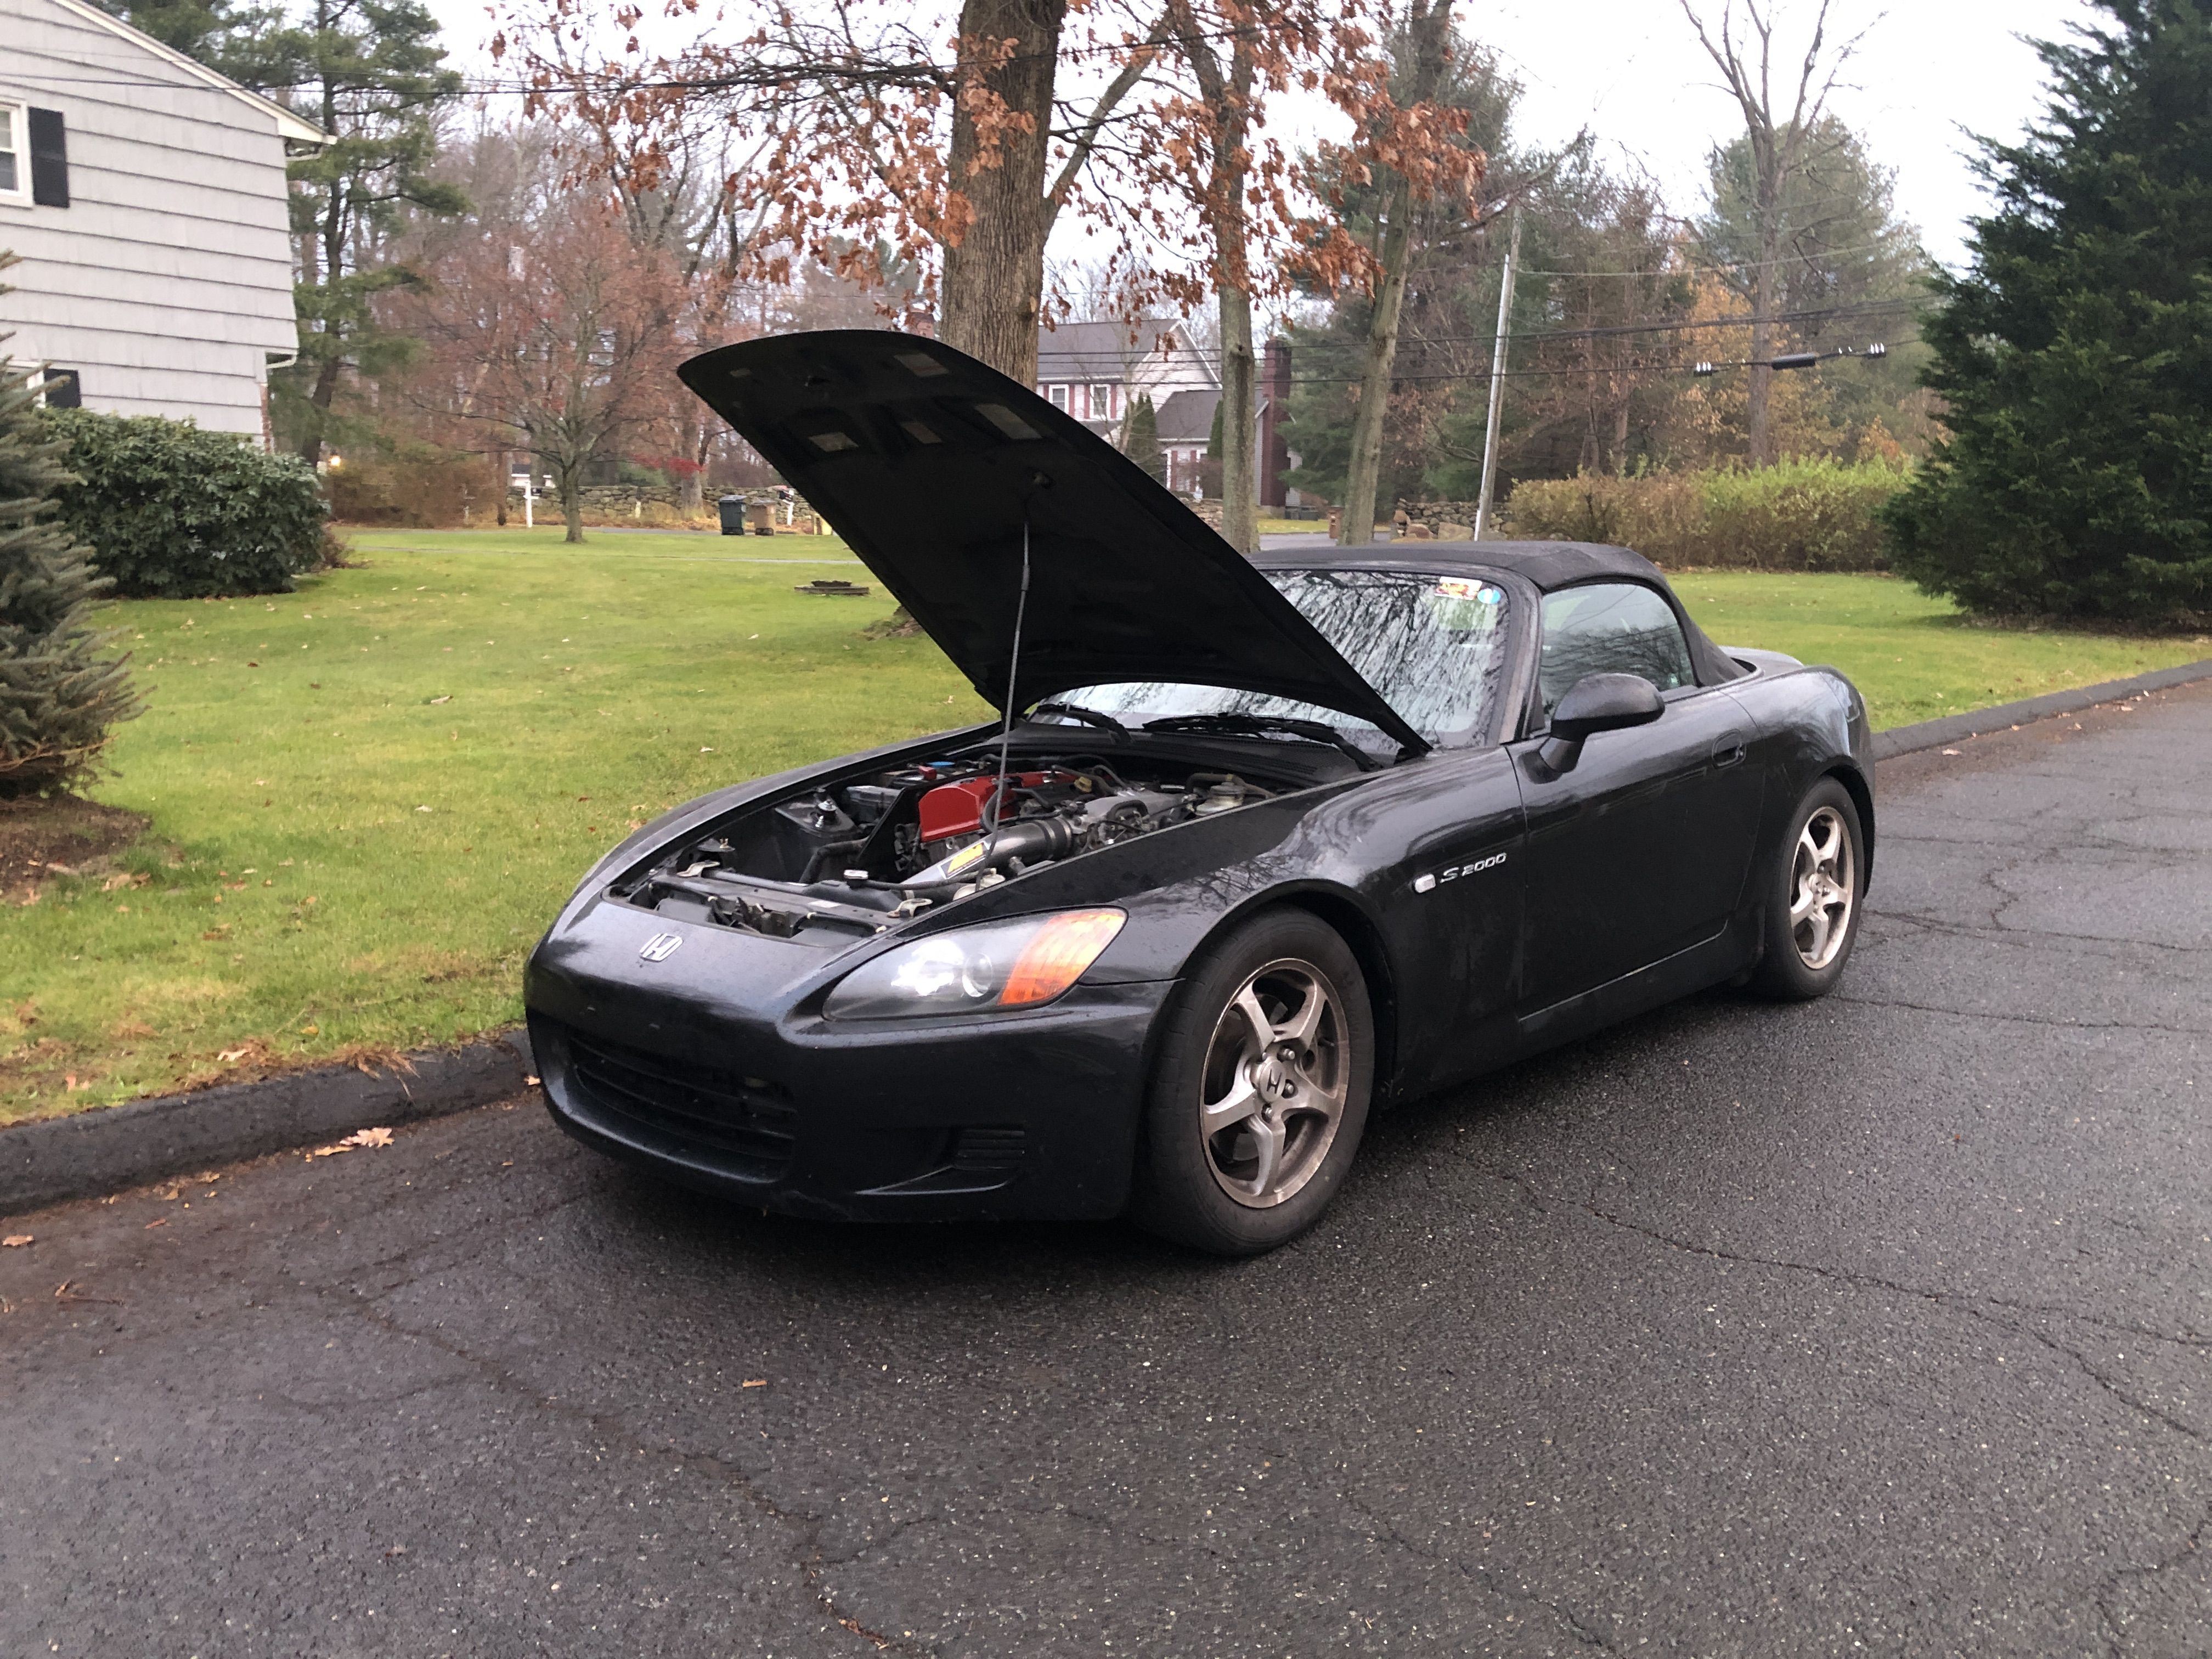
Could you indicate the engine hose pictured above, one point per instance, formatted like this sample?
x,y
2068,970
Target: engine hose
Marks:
x,y
821,854
1030,841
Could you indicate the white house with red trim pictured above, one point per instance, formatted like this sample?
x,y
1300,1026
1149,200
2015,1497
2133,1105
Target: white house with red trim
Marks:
x,y
144,195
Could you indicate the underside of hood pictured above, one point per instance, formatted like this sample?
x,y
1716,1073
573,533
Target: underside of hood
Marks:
x,y
934,469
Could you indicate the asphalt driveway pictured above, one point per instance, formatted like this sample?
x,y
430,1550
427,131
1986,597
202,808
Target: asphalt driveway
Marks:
x,y
1876,1326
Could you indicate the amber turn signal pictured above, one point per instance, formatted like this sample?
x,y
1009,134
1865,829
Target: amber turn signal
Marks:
x,y
1056,957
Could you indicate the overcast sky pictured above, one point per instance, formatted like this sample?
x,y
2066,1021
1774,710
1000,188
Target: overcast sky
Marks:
x,y
1927,73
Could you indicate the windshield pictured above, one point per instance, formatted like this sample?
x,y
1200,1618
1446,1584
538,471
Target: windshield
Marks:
x,y
1433,646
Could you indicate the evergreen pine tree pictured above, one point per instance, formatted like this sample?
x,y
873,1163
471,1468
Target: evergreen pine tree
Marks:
x,y
1142,445
2076,352
59,691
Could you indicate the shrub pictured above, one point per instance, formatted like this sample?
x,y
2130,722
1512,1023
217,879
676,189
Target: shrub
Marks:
x,y
1799,515
172,512
59,690
416,487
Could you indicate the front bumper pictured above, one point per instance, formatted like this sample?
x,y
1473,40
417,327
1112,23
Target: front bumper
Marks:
x,y
1031,1116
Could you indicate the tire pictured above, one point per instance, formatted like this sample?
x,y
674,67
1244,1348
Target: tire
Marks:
x,y
1286,1117
1816,897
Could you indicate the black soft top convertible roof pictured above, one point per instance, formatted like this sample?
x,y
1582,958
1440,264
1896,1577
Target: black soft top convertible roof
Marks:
x,y
1547,565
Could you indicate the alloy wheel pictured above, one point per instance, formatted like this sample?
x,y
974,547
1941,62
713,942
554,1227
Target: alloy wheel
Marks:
x,y
1274,1083
1823,887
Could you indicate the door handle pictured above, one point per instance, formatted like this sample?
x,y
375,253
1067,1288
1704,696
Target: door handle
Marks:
x,y
1729,749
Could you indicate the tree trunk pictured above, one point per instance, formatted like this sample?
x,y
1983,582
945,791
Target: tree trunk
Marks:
x,y
994,275
326,385
1762,348
1430,29
572,501
1773,174
503,483
1239,369
1239,434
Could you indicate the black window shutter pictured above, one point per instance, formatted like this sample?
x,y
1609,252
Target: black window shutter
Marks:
x,y
63,390
49,159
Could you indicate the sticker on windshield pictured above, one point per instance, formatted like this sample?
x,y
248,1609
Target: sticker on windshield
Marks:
x,y
1458,587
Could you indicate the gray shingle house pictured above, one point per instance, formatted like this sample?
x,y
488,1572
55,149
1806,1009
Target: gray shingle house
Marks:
x,y
1096,371
145,195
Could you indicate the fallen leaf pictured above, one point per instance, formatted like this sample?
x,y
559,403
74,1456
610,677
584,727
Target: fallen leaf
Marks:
x,y
16,1240
327,1151
397,1549
368,1138
447,698
422,809
531,1078
753,1383
232,1056
1950,751
158,1221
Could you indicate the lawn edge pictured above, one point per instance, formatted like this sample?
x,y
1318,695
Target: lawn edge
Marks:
x,y
51,1160
2002,717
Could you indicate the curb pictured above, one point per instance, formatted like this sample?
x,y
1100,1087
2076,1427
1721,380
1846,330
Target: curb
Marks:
x,y
1981,722
111,1147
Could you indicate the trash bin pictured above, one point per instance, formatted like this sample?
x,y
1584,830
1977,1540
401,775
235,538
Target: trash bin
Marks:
x,y
733,509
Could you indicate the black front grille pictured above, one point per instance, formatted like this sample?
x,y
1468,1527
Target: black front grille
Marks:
x,y
745,1124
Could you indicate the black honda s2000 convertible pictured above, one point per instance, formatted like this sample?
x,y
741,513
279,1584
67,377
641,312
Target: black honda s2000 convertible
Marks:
x,y
1260,845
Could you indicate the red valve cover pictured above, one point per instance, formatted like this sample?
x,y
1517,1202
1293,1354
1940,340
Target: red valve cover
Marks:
x,y
957,809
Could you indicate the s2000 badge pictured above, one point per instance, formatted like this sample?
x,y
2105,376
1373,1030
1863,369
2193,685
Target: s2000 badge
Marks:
x,y
660,946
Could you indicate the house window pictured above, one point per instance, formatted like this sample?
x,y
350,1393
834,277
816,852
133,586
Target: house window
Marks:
x,y
1059,395
14,158
60,389
1101,403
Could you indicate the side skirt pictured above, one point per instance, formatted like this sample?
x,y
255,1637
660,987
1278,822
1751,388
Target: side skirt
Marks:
x,y
1708,962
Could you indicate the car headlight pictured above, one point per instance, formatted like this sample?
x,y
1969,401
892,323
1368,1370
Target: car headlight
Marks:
x,y
1000,965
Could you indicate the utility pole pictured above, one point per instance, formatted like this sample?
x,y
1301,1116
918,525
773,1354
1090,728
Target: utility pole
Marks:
x,y
1497,377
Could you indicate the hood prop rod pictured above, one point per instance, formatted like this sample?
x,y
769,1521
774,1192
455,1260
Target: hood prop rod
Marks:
x,y
1013,676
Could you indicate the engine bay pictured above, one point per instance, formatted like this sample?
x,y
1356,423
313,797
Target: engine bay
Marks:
x,y
861,853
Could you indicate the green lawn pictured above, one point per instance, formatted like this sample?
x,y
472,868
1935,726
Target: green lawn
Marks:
x,y
368,796
1913,657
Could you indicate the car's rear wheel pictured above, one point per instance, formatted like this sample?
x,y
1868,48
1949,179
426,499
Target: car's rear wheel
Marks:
x,y
1817,884
1260,1088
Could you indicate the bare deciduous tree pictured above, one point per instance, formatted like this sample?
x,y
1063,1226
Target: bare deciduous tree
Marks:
x,y
1779,142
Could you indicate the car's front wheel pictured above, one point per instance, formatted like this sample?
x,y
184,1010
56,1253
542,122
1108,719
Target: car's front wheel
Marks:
x,y
1260,1088
1817,884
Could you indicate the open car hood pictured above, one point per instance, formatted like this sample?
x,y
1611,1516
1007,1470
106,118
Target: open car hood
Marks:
x,y
932,466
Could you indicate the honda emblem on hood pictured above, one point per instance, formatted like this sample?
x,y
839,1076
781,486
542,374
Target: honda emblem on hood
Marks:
x,y
660,946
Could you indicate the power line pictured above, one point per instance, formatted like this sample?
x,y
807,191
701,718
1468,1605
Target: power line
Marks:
x,y
1868,311
1716,270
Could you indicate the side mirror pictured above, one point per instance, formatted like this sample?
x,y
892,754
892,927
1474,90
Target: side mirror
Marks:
x,y
1598,702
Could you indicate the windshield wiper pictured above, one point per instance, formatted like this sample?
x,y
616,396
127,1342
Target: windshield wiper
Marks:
x,y
1259,725
1083,716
